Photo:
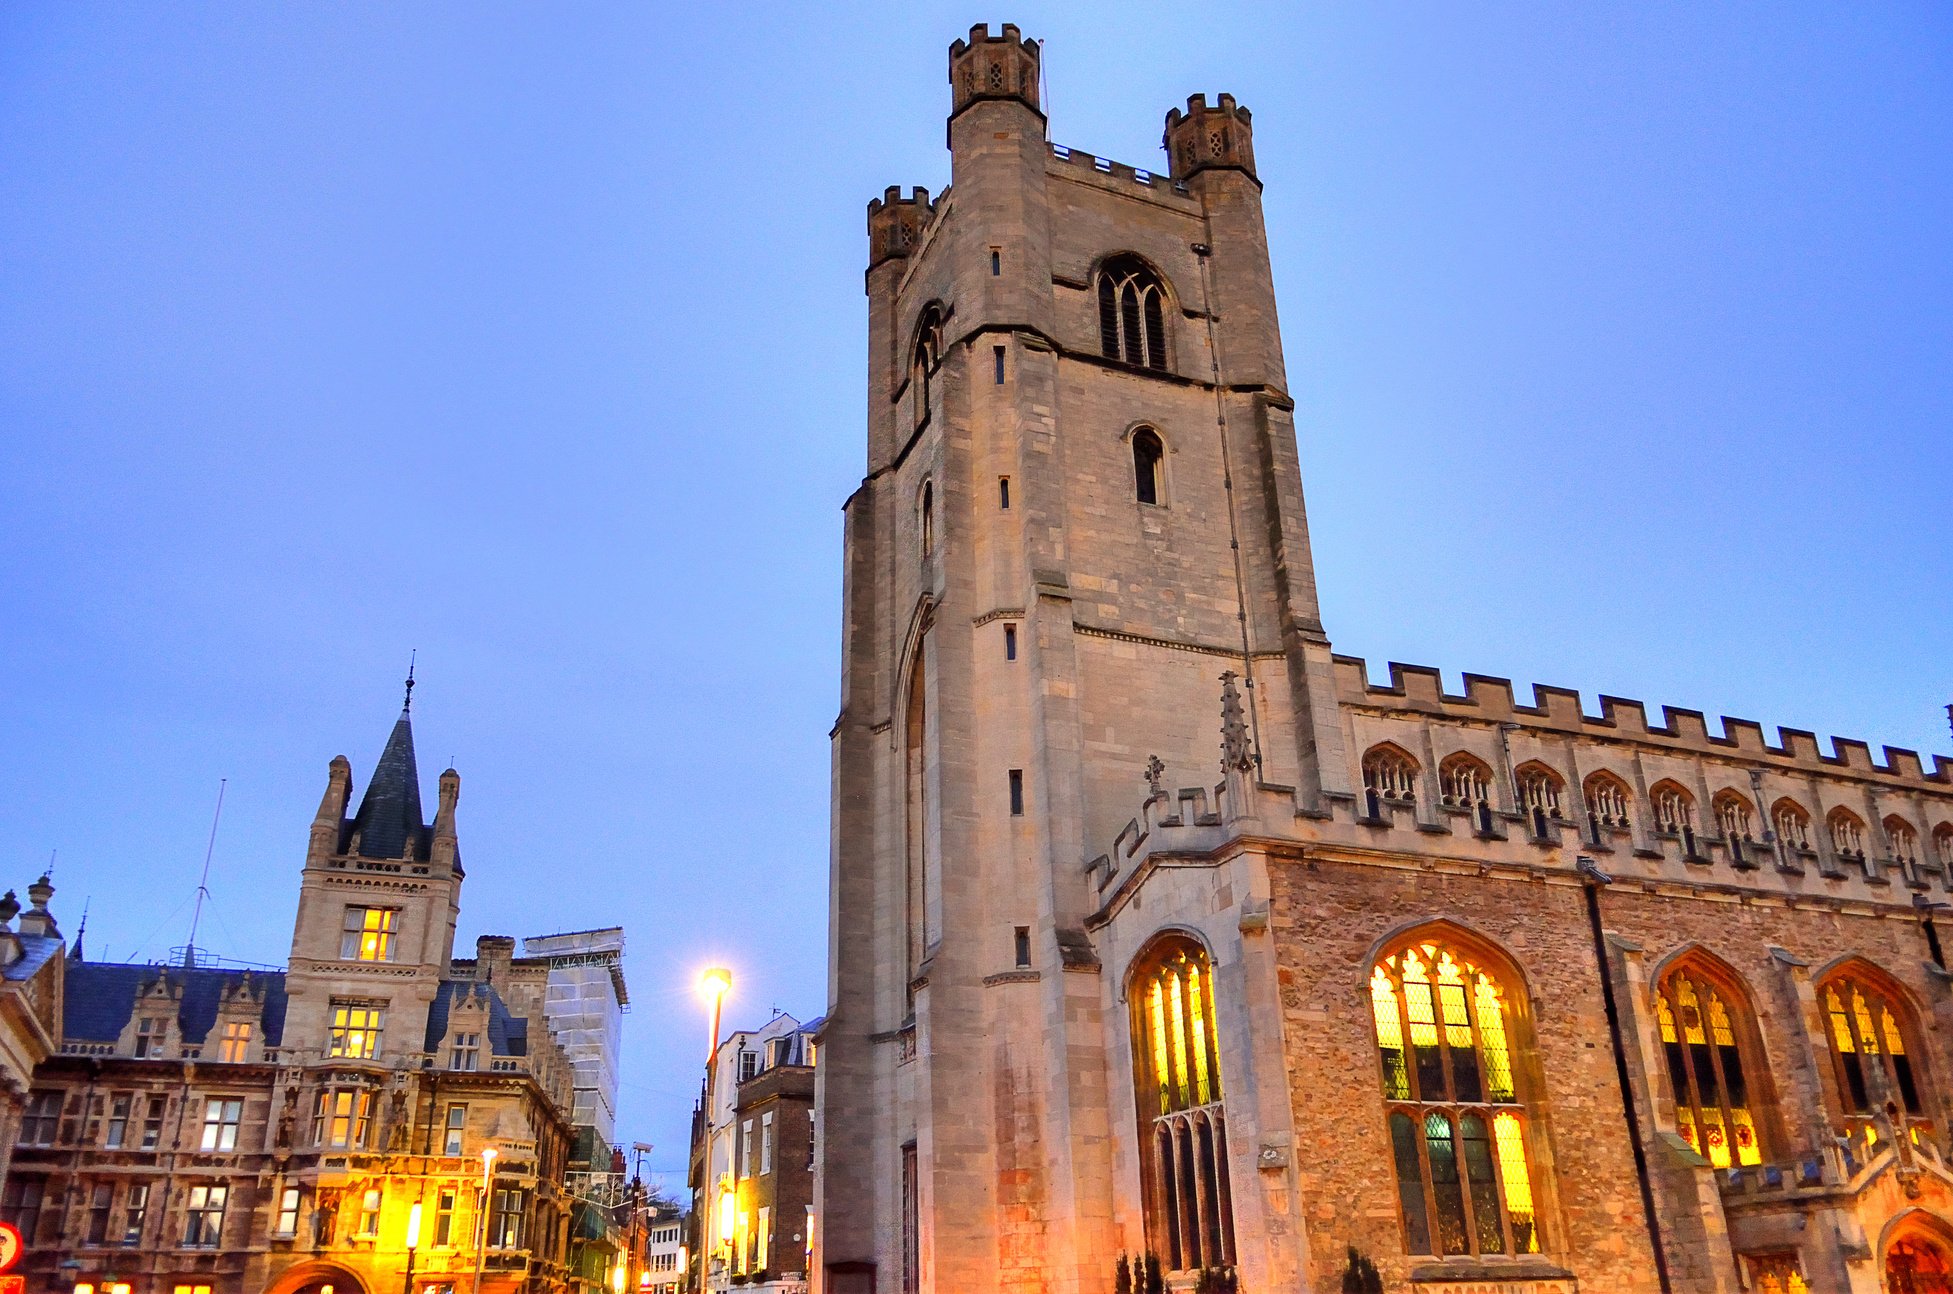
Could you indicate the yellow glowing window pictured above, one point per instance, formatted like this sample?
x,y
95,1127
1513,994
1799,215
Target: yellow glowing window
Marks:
x,y
1868,1023
356,1031
235,1044
1704,1053
368,934
1457,1128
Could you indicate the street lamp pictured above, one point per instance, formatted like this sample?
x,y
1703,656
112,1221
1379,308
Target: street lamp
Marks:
x,y
413,1242
481,1211
714,982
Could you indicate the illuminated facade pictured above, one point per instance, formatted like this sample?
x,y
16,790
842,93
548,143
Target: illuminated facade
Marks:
x,y
1160,929
350,1121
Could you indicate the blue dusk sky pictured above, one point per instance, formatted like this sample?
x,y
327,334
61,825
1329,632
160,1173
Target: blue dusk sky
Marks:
x,y
532,337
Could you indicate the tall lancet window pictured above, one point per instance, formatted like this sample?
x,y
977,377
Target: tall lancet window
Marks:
x,y
1132,313
1454,1063
1182,1127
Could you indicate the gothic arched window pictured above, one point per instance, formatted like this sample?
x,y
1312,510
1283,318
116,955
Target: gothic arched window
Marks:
x,y
1390,774
926,518
1607,801
1847,832
1132,313
1734,815
1903,840
928,353
1792,823
1872,1035
1674,808
1148,466
1182,1127
1708,1040
1464,781
1919,1262
1449,1034
1540,789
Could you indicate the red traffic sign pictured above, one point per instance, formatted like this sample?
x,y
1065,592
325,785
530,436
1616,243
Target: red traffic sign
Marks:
x,y
10,1246
15,1284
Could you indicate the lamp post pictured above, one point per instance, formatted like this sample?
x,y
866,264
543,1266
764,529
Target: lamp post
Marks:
x,y
413,1242
714,983
481,1211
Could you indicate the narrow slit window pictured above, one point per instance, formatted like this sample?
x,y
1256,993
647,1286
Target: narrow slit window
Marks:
x,y
998,353
1010,642
1147,457
1017,792
996,262
1023,945
1003,494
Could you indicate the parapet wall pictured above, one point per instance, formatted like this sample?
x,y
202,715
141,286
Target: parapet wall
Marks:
x,y
1420,688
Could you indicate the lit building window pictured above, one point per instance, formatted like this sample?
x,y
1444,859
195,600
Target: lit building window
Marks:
x,y
368,934
1870,1029
1183,1126
444,1218
369,1213
287,1212
220,1119
1448,1031
235,1045
341,1118
203,1217
1776,1274
1705,1038
355,1031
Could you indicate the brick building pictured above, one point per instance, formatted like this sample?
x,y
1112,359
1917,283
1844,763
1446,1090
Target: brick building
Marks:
x,y
752,1161
1158,928
210,1130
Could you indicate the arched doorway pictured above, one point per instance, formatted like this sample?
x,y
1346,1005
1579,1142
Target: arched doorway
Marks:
x,y
1918,1263
317,1278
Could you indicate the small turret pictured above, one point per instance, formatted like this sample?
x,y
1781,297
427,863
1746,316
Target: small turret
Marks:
x,y
37,920
895,223
1204,138
445,849
994,67
332,808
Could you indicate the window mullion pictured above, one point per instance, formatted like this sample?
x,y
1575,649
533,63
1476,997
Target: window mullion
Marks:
x,y
1415,1083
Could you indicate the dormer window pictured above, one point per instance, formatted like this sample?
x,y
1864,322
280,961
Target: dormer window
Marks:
x,y
1132,313
368,934
467,1052
748,1064
235,1044
151,1032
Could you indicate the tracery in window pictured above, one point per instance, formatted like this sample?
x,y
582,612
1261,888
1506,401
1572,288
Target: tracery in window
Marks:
x,y
1132,313
1464,781
1148,465
1540,789
1919,1263
1707,1040
1847,832
1390,774
1903,840
1607,801
1871,1032
923,359
1674,808
1734,815
1183,1127
1448,1033
1792,823
1943,846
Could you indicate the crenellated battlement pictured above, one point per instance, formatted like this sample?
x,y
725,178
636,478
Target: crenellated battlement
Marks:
x,y
987,67
895,223
1204,138
1492,699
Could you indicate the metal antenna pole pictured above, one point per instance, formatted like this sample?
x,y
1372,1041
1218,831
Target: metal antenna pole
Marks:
x,y
203,882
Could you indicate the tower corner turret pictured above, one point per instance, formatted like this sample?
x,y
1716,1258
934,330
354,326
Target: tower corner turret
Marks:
x,y
1205,138
1004,66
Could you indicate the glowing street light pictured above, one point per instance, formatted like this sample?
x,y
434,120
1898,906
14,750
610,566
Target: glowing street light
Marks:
x,y
413,1242
714,983
481,1212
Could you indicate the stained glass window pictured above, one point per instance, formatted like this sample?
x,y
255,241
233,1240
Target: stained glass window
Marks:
x,y
1183,1126
1713,1105
1458,1128
1776,1274
1918,1264
1867,1024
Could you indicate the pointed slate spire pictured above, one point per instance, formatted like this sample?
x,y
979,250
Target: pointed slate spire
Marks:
x,y
389,813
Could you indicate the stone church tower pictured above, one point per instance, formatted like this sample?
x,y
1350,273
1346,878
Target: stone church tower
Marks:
x,y
1157,929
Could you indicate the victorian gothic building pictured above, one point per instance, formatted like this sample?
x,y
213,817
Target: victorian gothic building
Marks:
x,y
378,1116
1159,930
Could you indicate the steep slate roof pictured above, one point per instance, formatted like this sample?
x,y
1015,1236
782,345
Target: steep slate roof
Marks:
x,y
389,813
35,950
508,1034
101,996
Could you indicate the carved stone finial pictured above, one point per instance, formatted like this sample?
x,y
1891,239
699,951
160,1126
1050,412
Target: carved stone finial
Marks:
x,y
1237,753
1155,776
